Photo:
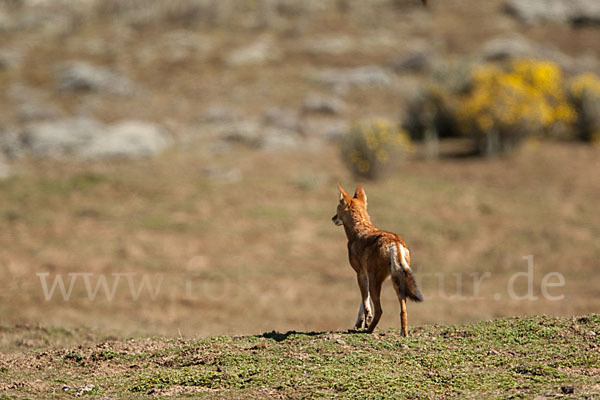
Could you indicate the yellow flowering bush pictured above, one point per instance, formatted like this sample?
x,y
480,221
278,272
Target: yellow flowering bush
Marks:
x,y
373,146
585,95
507,105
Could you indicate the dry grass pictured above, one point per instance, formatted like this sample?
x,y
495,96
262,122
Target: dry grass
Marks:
x,y
270,257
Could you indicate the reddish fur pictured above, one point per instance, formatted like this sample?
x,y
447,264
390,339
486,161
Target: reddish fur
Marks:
x,y
369,255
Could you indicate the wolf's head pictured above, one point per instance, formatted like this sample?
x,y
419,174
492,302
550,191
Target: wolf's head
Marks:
x,y
351,209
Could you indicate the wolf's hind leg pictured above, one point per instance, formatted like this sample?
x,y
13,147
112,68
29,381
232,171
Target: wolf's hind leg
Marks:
x,y
375,293
400,292
360,320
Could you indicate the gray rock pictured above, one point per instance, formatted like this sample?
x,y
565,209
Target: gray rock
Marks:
x,y
255,134
246,132
330,45
507,47
538,10
326,128
515,46
85,77
84,389
175,47
218,113
415,61
323,104
11,144
281,117
559,11
587,12
61,139
274,139
37,112
366,76
127,140
219,147
85,138
46,17
259,52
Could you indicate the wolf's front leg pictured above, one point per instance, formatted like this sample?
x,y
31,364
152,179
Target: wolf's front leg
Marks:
x,y
365,315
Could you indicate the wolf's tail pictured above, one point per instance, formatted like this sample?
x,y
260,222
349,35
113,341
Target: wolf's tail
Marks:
x,y
402,274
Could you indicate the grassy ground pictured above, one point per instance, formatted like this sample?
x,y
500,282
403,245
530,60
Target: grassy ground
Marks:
x,y
504,358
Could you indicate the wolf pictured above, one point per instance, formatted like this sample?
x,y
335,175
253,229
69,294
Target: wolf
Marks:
x,y
374,255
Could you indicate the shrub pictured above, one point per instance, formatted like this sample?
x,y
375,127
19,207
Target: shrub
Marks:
x,y
584,92
431,116
372,147
507,106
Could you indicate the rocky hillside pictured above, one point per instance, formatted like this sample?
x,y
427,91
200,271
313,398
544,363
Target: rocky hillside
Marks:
x,y
112,79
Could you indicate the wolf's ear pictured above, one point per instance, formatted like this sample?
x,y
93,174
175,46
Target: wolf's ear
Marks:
x,y
344,197
360,194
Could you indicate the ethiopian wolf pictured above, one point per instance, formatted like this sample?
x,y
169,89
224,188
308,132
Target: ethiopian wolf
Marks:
x,y
374,255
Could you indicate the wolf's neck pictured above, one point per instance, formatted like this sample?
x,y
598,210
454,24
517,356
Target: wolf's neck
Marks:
x,y
359,225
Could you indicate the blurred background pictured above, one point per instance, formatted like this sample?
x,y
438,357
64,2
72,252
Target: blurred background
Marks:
x,y
182,158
